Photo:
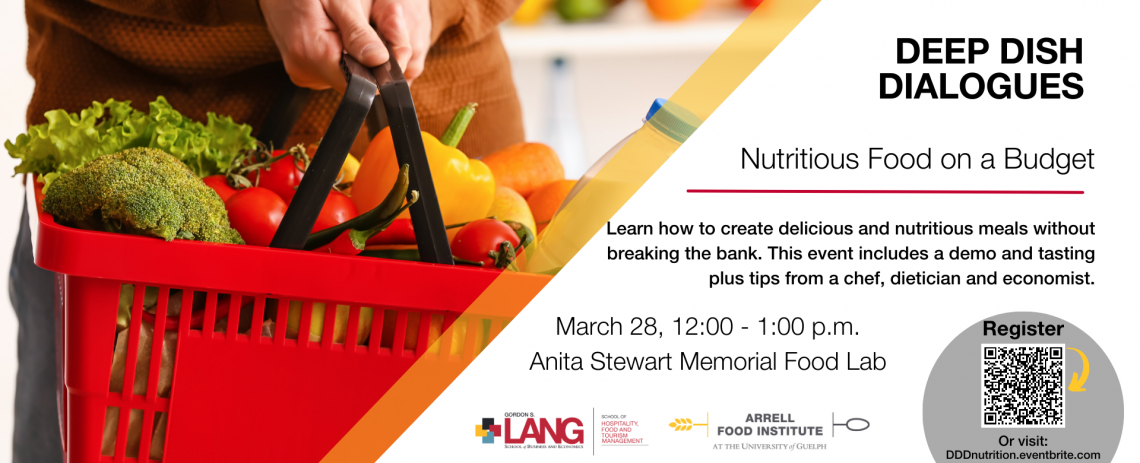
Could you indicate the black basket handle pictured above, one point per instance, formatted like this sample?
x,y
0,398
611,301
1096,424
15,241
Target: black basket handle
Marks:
x,y
395,109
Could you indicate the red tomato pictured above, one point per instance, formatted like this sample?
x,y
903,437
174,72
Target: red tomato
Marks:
x,y
337,209
220,186
477,239
400,232
282,177
255,213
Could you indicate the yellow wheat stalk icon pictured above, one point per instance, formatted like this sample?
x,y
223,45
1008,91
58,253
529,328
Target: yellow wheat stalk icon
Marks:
x,y
686,424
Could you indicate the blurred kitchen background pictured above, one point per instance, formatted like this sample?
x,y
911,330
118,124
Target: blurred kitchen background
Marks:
x,y
585,83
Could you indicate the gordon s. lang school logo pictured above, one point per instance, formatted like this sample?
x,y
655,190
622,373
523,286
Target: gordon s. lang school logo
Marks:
x,y
488,430
538,431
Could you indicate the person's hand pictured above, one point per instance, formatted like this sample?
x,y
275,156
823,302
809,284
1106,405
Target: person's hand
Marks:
x,y
311,35
417,23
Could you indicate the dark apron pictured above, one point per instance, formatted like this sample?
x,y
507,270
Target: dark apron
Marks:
x,y
36,437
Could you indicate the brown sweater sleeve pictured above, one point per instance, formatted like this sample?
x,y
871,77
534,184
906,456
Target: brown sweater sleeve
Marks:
x,y
193,12
468,21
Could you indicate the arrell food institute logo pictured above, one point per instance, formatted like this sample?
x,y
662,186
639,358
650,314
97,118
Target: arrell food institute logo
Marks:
x,y
686,424
523,430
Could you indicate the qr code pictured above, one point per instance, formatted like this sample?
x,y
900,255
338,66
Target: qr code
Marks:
x,y
1023,385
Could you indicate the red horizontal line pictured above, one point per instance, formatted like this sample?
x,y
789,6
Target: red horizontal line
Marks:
x,y
904,192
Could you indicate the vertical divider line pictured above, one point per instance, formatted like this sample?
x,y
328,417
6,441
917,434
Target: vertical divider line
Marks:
x,y
306,324
283,308
469,338
233,317
156,341
327,334
209,317
482,338
377,330
425,330
133,344
352,331
184,317
127,391
258,319
401,332
496,328
145,435
183,333
446,338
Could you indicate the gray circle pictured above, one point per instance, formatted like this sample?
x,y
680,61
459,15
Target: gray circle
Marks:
x,y
1023,390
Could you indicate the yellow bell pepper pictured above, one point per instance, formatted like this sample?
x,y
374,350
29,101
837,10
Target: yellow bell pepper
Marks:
x,y
465,187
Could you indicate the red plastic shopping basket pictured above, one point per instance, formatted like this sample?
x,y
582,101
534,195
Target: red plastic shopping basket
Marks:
x,y
240,394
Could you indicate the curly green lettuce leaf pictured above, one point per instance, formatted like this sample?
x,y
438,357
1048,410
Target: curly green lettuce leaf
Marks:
x,y
69,140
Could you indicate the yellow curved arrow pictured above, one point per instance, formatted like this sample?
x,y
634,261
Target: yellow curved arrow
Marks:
x,y
1078,382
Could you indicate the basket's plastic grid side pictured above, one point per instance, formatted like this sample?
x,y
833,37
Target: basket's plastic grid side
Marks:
x,y
145,392
150,404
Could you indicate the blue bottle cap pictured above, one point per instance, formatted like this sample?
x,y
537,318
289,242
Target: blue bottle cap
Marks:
x,y
672,120
657,104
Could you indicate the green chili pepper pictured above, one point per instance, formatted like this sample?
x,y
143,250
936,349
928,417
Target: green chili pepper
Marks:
x,y
387,210
360,238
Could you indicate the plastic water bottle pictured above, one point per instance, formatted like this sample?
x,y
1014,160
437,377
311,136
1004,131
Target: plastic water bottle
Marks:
x,y
666,126
676,124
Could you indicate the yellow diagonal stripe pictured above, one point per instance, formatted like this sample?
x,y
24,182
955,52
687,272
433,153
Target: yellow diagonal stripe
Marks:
x,y
701,94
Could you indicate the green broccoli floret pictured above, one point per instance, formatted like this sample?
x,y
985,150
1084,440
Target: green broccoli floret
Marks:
x,y
140,191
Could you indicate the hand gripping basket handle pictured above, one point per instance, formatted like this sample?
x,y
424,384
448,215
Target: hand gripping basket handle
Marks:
x,y
400,113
